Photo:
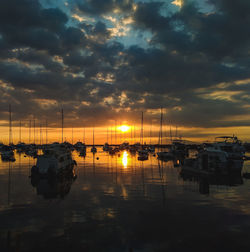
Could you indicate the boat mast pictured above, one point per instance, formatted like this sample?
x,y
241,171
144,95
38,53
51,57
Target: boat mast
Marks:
x,y
161,124
40,134
30,132
107,134
160,132
120,134
134,135
93,136
170,132
34,131
10,126
141,135
131,135
46,123
150,133
115,132
84,135
62,124
20,132
111,133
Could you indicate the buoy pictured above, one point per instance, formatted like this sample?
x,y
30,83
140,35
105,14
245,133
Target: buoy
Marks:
x,y
97,158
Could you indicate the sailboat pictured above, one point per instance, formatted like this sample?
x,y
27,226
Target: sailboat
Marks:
x,y
151,147
93,149
142,153
163,155
7,153
106,146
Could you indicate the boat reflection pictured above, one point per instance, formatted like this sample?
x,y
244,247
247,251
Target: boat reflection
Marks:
x,y
230,180
53,187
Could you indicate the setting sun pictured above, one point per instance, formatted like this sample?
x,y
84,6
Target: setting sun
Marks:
x,y
124,128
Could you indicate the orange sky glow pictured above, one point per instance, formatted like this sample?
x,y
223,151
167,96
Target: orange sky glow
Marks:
x,y
118,135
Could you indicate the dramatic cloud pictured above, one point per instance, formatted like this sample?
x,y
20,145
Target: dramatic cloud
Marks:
x,y
108,60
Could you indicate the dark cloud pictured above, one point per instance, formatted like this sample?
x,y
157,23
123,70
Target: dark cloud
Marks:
x,y
98,7
46,56
27,24
147,15
40,58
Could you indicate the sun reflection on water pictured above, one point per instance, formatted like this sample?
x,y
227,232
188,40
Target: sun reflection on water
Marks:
x,y
125,159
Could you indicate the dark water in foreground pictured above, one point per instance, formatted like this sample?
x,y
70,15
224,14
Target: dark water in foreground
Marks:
x,y
121,204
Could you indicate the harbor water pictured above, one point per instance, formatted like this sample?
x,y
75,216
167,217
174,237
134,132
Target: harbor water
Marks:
x,y
117,203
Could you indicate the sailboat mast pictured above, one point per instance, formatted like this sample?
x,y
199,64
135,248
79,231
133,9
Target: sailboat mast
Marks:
x,y
30,132
111,133
34,131
160,132
141,136
161,125
10,126
131,135
46,123
170,131
107,134
20,132
83,134
134,135
93,136
62,124
150,133
40,134
115,132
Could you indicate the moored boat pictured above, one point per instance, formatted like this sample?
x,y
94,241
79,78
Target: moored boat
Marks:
x,y
212,160
54,162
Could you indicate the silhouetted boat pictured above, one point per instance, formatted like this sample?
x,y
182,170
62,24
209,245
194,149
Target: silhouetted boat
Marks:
x,y
54,162
232,145
106,147
212,160
7,153
93,149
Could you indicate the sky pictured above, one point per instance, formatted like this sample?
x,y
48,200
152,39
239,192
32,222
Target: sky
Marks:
x,y
108,60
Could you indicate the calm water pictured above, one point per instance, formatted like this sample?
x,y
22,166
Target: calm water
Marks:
x,y
121,204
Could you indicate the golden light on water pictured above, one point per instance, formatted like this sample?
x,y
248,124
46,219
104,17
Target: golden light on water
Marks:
x,y
125,159
124,128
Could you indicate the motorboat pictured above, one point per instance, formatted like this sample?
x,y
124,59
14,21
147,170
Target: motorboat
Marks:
x,y
179,148
82,152
165,155
7,153
142,154
93,149
106,147
112,151
80,146
232,145
151,148
143,157
54,162
212,160
31,151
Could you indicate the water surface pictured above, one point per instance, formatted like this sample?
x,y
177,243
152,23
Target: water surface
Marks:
x,y
120,204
